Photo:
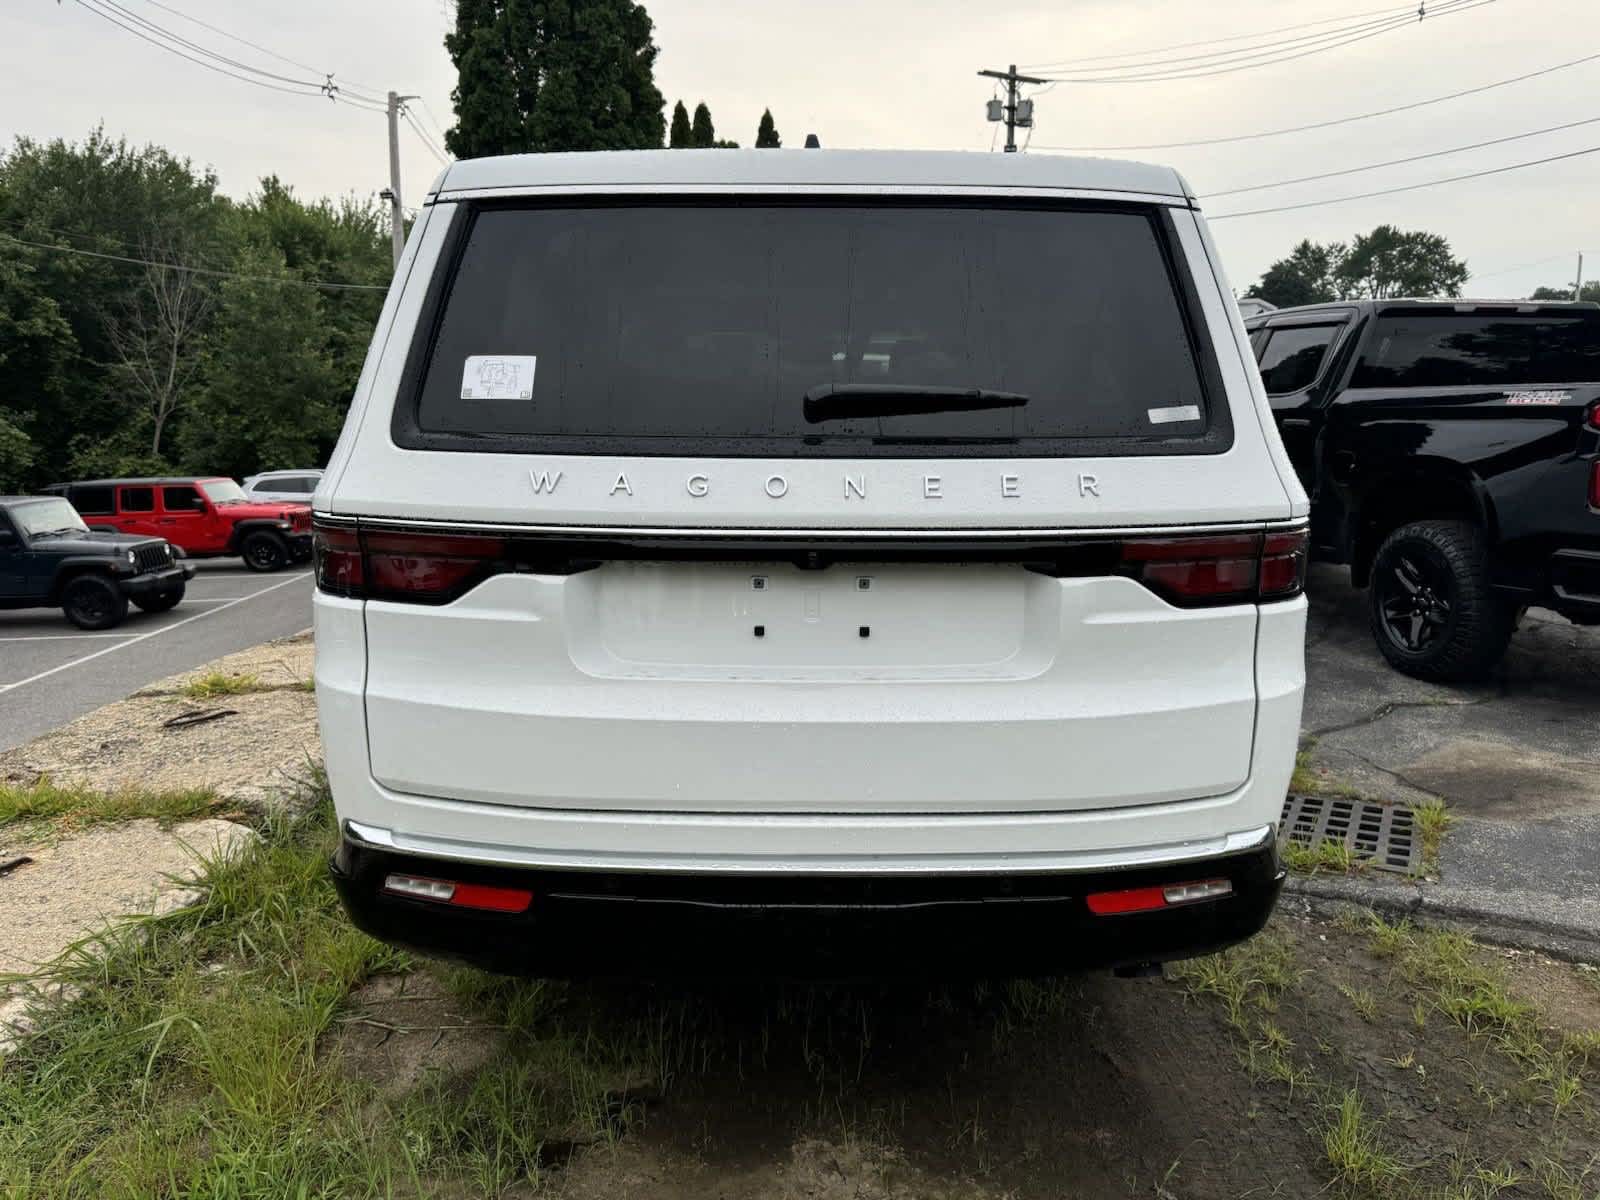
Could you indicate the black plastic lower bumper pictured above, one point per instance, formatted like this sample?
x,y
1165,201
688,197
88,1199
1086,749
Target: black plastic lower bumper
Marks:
x,y
158,581
626,924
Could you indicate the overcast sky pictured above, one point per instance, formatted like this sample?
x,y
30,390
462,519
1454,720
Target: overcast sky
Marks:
x,y
901,73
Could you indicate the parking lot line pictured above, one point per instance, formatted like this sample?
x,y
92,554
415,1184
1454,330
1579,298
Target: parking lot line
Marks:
x,y
136,638
65,637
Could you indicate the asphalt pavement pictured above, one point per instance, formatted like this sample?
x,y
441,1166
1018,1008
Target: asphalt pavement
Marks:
x,y
1515,758
52,672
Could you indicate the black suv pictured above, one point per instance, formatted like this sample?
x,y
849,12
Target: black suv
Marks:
x,y
1452,454
48,556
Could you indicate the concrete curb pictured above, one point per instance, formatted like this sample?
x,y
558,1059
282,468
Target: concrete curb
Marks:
x,y
1330,895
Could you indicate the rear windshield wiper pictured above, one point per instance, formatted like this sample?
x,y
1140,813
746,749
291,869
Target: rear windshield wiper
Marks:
x,y
839,401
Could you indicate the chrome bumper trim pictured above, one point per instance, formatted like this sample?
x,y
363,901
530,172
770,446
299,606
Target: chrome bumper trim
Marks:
x,y
1029,863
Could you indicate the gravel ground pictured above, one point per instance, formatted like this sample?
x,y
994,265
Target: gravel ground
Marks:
x,y
260,751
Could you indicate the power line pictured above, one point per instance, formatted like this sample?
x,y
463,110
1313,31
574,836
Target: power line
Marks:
x,y
1395,162
1410,187
164,39
1213,58
139,33
267,50
1538,262
1238,37
1366,116
167,266
422,135
1272,58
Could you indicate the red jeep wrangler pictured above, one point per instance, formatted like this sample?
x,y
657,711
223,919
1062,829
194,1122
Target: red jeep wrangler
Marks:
x,y
204,518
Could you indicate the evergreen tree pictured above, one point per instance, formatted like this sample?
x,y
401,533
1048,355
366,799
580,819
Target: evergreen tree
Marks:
x,y
681,136
703,135
767,133
553,75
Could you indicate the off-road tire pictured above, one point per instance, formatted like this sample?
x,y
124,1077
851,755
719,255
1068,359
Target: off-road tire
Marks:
x,y
94,602
160,602
1434,611
264,551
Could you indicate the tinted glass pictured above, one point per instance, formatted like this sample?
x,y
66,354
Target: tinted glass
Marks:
x,y
47,516
1495,350
1292,356
138,499
180,498
293,483
712,324
93,501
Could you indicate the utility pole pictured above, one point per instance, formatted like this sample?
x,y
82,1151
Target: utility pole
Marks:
x,y
397,220
1577,288
1016,113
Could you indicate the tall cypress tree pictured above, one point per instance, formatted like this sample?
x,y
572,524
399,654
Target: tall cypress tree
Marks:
x,y
538,75
703,134
681,137
767,133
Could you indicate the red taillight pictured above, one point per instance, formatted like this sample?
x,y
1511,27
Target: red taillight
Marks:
x,y
462,895
1219,568
1592,417
423,568
1148,899
336,554
1283,564
405,566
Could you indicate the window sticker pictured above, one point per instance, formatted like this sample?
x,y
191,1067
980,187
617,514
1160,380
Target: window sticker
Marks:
x,y
498,377
1179,412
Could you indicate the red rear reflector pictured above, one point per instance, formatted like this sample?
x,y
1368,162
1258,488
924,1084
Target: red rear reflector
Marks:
x,y
1148,899
1105,904
462,895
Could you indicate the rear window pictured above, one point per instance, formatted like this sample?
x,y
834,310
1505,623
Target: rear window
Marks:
x,y
1292,356
817,329
1492,350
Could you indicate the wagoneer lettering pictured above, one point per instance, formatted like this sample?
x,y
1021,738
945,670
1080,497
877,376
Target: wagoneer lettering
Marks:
x,y
834,605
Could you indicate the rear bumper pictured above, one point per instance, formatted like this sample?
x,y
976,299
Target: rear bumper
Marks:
x,y
158,581
1575,584
810,925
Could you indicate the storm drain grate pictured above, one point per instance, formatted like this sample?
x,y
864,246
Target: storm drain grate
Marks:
x,y
1381,835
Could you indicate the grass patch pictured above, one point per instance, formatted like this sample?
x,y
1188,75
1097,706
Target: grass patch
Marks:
x,y
1449,975
1432,820
219,683
195,1061
1324,856
74,805
1354,1150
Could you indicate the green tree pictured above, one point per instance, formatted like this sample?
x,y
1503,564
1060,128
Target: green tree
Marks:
x,y
703,134
1304,277
267,379
36,348
681,136
543,75
1590,292
105,196
767,133
16,454
1390,262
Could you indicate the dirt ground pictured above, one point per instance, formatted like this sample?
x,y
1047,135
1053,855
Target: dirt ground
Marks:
x,y
1090,1088
257,752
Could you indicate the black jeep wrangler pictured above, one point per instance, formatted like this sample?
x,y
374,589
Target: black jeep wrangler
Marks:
x,y
1452,453
48,556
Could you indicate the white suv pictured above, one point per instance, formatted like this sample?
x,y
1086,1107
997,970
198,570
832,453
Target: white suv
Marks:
x,y
835,560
